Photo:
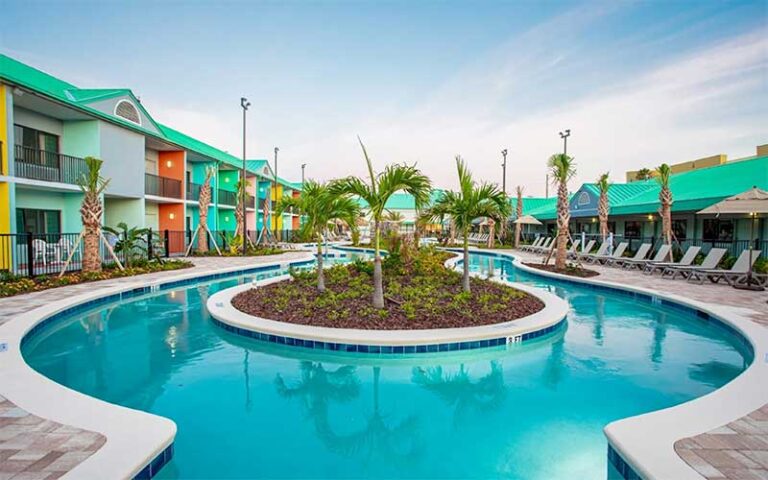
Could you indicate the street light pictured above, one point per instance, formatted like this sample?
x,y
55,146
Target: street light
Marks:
x,y
244,103
564,136
276,199
504,172
303,165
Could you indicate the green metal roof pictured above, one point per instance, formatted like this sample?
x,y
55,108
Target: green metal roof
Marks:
x,y
532,204
404,201
25,76
698,189
619,193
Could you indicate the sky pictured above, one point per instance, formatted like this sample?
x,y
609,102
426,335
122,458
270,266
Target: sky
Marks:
x,y
638,83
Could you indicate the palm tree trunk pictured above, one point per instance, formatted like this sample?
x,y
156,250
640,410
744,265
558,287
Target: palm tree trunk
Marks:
x,y
378,281
562,226
465,273
91,258
320,274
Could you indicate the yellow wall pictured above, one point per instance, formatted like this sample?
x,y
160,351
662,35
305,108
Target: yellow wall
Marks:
x,y
5,187
277,194
705,162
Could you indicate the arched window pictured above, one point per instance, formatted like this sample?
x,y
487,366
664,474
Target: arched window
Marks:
x,y
127,110
584,198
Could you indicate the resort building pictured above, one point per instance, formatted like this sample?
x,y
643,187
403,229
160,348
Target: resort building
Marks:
x,y
48,126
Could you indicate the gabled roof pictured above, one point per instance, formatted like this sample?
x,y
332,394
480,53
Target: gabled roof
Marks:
x,y
532,204
619,193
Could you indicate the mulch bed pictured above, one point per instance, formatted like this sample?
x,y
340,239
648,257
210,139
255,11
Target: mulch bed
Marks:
x,y
571,272
440,305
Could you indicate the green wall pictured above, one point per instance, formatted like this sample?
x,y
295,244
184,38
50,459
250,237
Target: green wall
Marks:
x,y
65,202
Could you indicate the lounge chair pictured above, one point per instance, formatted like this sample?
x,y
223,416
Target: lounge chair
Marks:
x,y
544,241
601,252
661,254
536,242
641,253
710,262
573,249
736,274
546,246
602,259
690,255
584,250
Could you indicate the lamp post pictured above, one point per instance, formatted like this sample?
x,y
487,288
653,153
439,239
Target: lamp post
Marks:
x,y
504,172
276,199
303,166
244,103
564,136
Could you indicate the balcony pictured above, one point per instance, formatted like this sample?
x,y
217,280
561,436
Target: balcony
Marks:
x,y
193,191
47,166
230,198
227,198
161,186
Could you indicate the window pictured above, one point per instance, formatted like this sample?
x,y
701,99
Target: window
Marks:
x,y
36,146
716,229
584,199
680,229
29,220
633,229
127,110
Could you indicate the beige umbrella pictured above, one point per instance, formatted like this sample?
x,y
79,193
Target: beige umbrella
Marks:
x,y
527,220
752,202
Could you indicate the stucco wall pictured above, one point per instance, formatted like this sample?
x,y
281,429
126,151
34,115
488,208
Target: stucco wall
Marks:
x,y
31,119
81,138
67,203
128,210
122,152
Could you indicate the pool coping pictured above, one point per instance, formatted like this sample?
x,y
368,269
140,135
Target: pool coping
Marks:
x,y
383,342
642,446
137,443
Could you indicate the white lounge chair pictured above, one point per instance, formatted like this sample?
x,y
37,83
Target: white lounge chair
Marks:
x,y
710,262
641,253
538,241
544,247
736,274
661,254
602,258
690,255
584,250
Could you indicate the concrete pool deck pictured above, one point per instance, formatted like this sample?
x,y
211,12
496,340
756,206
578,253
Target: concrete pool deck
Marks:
x,y
36,448
736,450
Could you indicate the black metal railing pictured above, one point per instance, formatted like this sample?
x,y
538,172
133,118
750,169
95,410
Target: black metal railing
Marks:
x,y
162,186
39,164
226,197
193,191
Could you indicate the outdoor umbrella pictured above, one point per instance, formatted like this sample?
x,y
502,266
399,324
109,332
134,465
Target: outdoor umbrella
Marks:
x,y
527,220
753,202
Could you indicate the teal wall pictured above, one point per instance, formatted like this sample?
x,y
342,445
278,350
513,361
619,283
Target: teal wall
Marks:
x,y
226,219
81,138
65,202
228,180
128,210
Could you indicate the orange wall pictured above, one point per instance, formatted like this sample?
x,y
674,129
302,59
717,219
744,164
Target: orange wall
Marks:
x,y
176,170
164,211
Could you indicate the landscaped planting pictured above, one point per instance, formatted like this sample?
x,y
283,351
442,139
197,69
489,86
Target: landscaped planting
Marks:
x,y
421,293
15,285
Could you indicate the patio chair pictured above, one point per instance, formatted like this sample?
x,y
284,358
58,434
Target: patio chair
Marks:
x,y
39,250
587,248
601,259
544,247
641,253
661,254
536,243
690,255
585,255
573,249
736,274
710,262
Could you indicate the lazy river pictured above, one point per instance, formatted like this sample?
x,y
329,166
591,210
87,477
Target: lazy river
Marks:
x,y
247,409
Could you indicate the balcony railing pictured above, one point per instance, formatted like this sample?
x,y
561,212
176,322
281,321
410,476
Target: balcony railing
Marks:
x,y
38,164
193,191
162,186
227,198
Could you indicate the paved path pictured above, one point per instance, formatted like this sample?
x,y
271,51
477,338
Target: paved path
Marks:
x,y
33,448
738,450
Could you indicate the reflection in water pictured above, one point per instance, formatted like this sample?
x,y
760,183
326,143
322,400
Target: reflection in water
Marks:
x,y
555,365
659,334
713,373
597,328
460,391
318,387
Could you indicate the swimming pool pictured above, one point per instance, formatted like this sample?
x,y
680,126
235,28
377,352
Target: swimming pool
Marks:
x,y
247,409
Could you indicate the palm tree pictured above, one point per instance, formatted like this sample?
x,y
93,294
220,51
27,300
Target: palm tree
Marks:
x,y
241,188
561,170
602,206
130,241
643,174
519,213
394,178
93,185
203,203
319,206
664,172
471,202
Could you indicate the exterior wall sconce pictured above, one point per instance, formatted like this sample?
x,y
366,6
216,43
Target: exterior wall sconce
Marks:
x,y
226,219
171,216
594,220
650,218
169,164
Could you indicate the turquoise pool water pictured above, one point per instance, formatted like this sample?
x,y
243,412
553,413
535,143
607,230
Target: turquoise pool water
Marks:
x,y
245,409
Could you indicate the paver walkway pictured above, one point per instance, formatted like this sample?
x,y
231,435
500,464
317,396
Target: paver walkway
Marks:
x,y
738,450
34,448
